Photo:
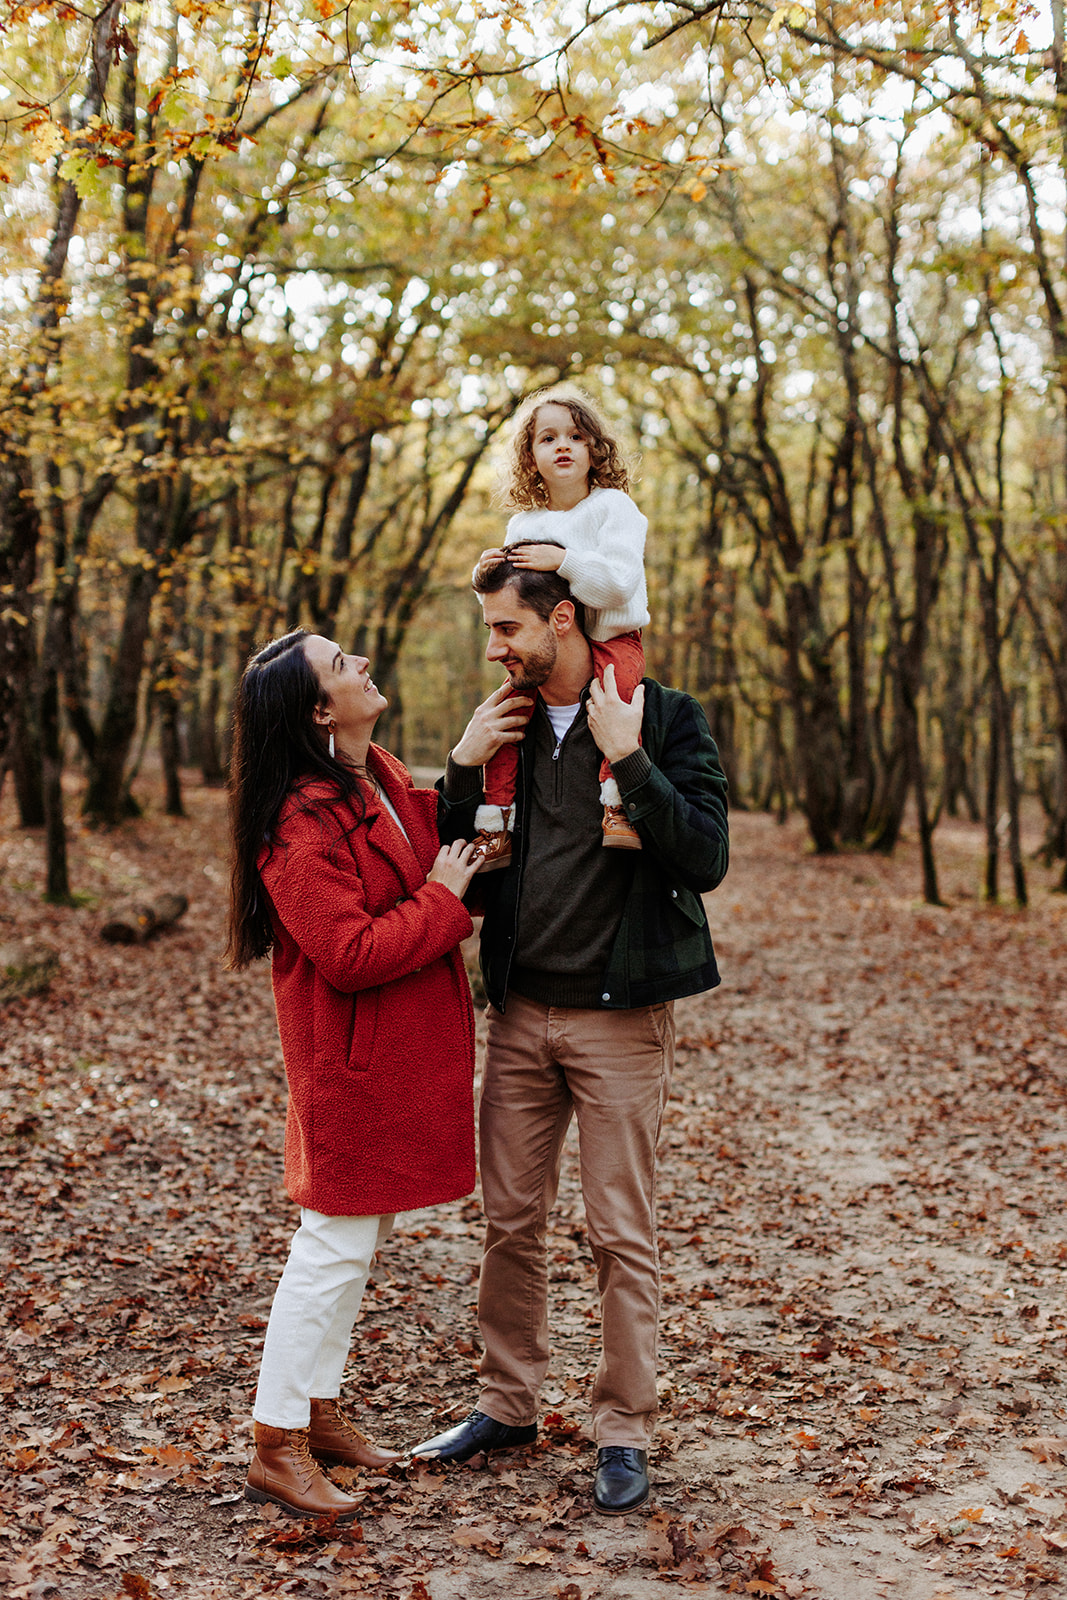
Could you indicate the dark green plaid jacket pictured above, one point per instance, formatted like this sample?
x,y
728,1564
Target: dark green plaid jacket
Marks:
x,y
674,791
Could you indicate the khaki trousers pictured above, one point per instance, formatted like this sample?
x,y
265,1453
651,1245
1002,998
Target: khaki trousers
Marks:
x,y
612,1071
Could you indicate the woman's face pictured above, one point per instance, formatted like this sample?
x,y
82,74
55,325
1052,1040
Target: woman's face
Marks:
x,y
353,702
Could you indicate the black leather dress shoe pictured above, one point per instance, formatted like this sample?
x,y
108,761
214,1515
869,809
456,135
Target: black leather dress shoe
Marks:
x,y
476,1436
621,1478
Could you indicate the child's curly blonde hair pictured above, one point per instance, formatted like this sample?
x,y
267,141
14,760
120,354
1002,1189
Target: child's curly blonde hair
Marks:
x,y
521,484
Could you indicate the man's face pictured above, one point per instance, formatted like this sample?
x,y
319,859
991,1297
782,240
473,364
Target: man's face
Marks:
x,y
523,645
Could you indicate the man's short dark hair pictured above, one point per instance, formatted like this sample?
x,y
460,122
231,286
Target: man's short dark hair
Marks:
x,y
541,591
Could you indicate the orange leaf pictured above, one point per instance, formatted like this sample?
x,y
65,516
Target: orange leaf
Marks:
x,y
806,1441
477,1539
173,1385
1047,1447
171,1456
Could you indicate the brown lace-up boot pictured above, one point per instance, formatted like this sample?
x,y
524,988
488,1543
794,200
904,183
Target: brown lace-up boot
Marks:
x,y
619,832
494,848
285,1473
334,1439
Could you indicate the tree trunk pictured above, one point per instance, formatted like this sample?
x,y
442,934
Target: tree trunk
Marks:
x,y
780,783
24,755
815,718
716,665
20,529
859,781
107,797
1000,741
887,816
917,779
57,876
992,830
1011,786
208,749
170,752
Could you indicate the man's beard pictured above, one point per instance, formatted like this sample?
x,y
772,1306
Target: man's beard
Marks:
x,y
536,665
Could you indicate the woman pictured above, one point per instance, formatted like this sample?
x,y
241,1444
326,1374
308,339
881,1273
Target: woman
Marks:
x,y
338,873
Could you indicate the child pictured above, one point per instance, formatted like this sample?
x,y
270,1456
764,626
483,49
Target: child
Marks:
x,y
568,477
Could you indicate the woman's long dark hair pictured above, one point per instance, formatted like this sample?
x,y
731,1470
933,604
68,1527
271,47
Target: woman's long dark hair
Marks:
x,y
276,749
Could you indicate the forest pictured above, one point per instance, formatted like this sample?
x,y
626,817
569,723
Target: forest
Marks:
x,y
276,277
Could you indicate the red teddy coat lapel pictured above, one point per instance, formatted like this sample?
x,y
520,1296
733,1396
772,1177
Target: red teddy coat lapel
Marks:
x,y
410,850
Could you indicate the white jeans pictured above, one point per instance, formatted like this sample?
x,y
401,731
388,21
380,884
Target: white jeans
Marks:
x,y
315,1306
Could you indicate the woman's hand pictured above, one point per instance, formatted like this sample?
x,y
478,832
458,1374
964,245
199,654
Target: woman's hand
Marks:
x,y
455,866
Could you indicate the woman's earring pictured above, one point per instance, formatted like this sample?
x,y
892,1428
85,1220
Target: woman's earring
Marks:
x,y
331,745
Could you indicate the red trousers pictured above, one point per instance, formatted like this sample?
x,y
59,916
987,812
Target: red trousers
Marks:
x,y
626,655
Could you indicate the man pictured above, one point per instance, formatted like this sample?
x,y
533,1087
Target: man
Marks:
x,y
583,952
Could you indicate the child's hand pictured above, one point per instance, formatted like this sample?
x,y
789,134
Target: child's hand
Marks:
x,y
487,561
536,557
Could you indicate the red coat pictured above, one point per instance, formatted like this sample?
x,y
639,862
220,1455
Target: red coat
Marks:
x,y
373,1004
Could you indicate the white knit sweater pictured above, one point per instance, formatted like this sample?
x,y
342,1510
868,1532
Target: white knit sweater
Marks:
x,y
604,537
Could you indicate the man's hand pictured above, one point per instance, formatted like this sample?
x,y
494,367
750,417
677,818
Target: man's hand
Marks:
x,y
498,721
536,557
615,726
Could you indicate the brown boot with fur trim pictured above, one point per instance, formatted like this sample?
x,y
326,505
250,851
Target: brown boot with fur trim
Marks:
x,y
284,1473
494,849
335,1441
492,837
619,832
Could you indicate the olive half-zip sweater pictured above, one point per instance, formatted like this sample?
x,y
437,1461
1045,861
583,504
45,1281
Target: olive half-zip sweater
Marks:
x,y
573,891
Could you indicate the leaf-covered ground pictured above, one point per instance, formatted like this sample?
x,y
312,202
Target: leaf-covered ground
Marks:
x,y
864,1384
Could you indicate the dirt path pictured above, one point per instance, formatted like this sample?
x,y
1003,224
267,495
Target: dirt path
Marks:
x,y
864,1251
